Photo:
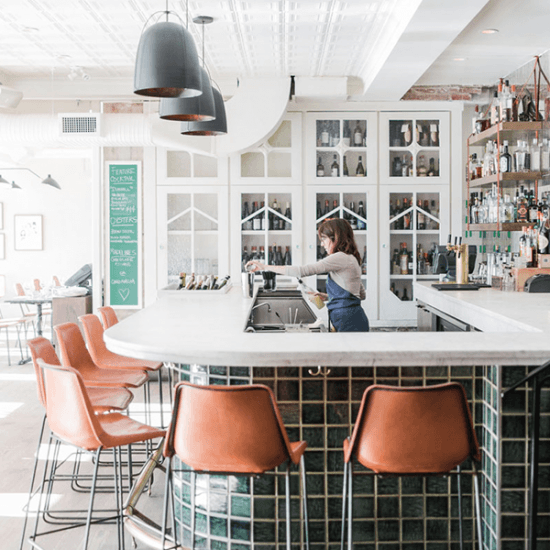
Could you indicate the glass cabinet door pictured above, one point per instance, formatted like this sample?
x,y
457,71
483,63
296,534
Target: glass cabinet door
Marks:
x,y
341,148
413,223
358,206
415,146
192,232
269,228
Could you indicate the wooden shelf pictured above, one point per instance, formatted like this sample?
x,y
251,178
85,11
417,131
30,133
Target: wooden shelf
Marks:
x,y
505,127
488,181
516,226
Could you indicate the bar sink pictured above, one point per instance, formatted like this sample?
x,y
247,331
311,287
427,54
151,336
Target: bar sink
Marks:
x,y
282,311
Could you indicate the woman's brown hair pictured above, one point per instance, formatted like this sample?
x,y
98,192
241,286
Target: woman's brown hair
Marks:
x,y
339,231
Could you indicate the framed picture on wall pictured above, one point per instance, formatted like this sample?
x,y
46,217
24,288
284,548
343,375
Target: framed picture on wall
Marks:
x,y
1,215
28,232
2,247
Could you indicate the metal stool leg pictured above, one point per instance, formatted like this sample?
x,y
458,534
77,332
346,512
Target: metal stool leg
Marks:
x,y
287,502
459,487
350,505
304,502
166,500
344,502
478,508
91,504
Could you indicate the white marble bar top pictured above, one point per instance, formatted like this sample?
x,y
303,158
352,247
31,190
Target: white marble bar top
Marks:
x,y
209,330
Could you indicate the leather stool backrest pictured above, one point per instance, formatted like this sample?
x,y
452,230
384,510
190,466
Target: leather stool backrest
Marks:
x,y
72,347
108,316
41,348
413,430
227,429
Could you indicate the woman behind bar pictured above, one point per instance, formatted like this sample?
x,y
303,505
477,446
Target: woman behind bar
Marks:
x,y
343,266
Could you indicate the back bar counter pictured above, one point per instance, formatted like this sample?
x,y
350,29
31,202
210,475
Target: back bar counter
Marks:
x,y
202,337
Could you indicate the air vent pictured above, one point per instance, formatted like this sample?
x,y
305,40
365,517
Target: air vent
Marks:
x,y
80,124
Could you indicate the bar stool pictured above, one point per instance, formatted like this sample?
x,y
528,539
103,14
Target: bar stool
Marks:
x,y
102,400
66,391
106,359
419,431
229,430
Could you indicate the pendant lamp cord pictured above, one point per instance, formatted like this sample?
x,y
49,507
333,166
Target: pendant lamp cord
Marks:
x,y
203,46
167,11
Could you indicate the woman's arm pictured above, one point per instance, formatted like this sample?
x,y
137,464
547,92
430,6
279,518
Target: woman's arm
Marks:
x,y
255,265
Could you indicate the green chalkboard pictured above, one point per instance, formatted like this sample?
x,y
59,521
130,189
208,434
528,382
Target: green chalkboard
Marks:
x,y
124,234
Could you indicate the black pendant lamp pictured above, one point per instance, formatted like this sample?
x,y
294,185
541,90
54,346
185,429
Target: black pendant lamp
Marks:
x,y
215,127
167,64
199,108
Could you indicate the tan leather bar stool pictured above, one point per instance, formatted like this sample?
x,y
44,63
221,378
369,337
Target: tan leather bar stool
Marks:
x,y
66,391
230,430
407,431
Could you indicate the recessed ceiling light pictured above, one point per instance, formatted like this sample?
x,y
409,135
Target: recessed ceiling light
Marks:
x,y
459,58
29,29
489,31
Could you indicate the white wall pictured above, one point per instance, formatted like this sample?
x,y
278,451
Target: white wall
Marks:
x,y
66,217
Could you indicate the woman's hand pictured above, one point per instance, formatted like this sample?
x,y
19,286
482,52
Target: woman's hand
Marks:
x,y
321,295
255,265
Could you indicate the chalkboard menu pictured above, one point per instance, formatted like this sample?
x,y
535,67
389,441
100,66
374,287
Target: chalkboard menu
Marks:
x,y
124,288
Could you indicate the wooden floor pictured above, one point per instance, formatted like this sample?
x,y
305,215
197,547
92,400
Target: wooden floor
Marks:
x,y
20,420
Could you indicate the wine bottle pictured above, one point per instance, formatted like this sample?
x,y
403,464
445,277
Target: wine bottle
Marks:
x,y
335,213
287,260
182,281
420,217
319,210
405,295
404,259
247,225
246,212
320,169
190,282
360,171
421,169
262,216
270,255
357,136
345,170
361,225
335,168
276,220
224,281
245,258
256,222
288,214
364,262
279,255
327,208
352,217
407,216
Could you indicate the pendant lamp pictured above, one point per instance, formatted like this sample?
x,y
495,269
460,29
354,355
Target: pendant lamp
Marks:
x,y
2,180
50,181
199,108
215,127
167,64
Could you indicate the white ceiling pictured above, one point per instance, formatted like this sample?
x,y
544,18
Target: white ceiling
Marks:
x,y
388,45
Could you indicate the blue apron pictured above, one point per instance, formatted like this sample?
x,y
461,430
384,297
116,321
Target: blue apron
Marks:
x,y
344,309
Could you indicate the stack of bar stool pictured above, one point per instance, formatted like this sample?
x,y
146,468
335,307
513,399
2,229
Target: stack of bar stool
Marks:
x,y
108,319
407,431
222,430
102,400
65,390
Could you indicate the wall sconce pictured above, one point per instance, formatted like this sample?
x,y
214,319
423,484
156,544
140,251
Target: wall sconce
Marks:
x,y
46,181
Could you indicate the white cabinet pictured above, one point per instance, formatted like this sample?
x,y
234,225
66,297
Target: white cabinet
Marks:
x,y
176,167
357,204
414,147
191,231
341,148
412,221
266,219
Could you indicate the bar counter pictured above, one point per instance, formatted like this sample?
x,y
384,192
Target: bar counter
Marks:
x,y
203,337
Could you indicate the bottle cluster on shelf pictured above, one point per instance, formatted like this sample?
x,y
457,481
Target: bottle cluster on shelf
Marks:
x,y
402,166
534,242
275,255
259,218
353,133
492,207
426,211
334,171
202,282
426,133
403,261
355,216
519,158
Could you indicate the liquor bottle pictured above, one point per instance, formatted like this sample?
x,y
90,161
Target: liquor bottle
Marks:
x,y
261,254
405,295
520,157
262,215
360,171
345,170
346,139
325,134
504,114
407,215
276,220
410,263
256,222
434,135
357,136
420,217
287,260
495,108
362,216
432,170
244,258
505,159
288,215
396,167
522,207
545,156
533,208
427,265
395,263
364,262
335,168
182,280
190,285
351,217
405,167
406,133
421,168
224,281
335,210
327,208
404,259
513,104
420,264
320,169
544,234
398,224
535,153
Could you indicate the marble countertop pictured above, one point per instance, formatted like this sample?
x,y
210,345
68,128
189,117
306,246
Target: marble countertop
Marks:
x,y
208,330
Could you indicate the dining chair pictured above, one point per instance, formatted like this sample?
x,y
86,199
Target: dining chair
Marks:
x,y
10,325
412,431
65,390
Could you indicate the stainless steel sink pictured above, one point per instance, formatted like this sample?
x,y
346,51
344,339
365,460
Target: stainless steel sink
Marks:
x,y
282,311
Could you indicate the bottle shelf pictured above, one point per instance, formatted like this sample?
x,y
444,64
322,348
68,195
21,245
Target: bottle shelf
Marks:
x,y
503,128
403,277
264,231
510,226
195,232
488,181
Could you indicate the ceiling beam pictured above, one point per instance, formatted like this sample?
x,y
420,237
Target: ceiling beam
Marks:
x,y
432,28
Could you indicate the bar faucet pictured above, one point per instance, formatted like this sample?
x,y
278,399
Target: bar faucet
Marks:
x,y
260,305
